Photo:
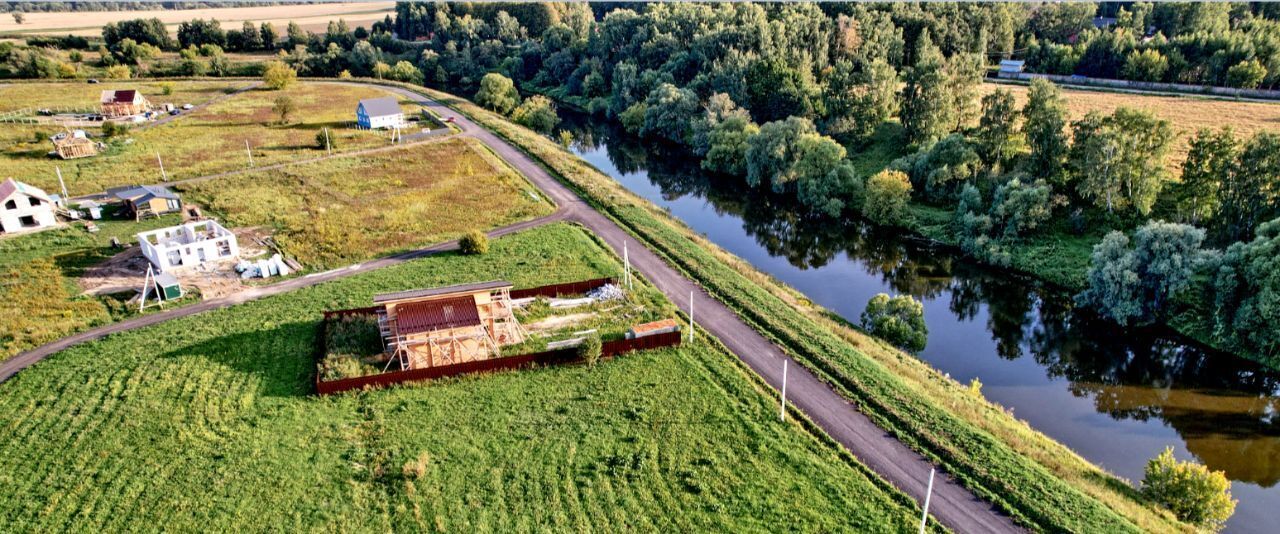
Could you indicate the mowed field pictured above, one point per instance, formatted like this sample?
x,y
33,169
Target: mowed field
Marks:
x,y
349,209
311,17
206,423
1186,114
205,141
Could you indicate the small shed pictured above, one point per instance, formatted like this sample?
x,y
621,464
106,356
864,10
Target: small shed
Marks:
x,y
142,201
94,209
374,113
74,144
167,287
118,103
1012,66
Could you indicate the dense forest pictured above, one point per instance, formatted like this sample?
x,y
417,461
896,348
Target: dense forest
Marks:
x,y
869,110
51,7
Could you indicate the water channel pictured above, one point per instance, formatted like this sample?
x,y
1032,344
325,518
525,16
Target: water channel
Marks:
x,y
1117,397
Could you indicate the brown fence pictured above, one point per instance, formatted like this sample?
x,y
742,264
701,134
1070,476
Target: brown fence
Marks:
x,y
552,357
556,290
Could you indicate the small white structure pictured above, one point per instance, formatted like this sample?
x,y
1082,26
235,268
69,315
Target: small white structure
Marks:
x,y
188,245
1011,66
375,113
24,208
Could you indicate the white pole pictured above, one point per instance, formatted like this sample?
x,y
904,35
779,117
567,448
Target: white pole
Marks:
x,y
163,176
248,151
626,266
691,317
327,146
146,278
924,516
782,414
65,196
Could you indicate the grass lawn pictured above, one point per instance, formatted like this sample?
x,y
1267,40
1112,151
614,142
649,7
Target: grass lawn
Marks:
x,y
205,423
1040,482
397,200
206,141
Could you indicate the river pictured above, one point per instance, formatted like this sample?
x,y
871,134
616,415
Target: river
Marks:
x,y
1117,397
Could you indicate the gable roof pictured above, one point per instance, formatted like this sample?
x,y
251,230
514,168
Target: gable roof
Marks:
x,y
142,193
432,315
380,107
440,291
10,187
120,96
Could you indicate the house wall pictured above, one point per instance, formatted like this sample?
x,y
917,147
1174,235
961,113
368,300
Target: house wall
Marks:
x,y
187,251
470,350
11,219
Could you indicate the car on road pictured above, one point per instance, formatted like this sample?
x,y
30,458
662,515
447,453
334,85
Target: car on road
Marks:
x,y
92,80
175,111
187,106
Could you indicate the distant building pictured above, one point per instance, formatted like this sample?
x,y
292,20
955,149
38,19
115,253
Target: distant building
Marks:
x,y
374,113
142,201
24,208
74,144
188,245
1011,66
123,103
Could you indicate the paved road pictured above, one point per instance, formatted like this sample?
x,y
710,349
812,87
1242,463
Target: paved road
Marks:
x,y
952,505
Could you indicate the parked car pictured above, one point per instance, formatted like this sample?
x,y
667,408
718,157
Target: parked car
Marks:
x,y
92,80
187,106
45,111
175,111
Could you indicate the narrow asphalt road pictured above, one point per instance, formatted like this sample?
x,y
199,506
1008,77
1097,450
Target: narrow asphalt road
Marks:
x,y
951,504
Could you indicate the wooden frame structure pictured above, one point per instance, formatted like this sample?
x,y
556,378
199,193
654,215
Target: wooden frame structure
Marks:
x,y
123,103
447,325
72,146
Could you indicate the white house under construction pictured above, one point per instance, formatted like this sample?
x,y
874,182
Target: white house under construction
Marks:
x,y
188,245
447,325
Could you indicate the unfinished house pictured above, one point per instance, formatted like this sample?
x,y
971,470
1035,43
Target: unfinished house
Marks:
x,y
447,325
143,201
118,103
376,113
24,208
188,245
74,144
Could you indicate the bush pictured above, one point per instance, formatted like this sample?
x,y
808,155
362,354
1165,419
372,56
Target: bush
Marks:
x,y
114,129
474,243
898,320
537,113
1193,492
590,349
886,197
119,72
278,76
326,140
166,88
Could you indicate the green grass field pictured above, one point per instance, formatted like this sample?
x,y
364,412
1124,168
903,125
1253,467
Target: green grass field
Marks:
x,y
1037,480
205,141
398,200
206,423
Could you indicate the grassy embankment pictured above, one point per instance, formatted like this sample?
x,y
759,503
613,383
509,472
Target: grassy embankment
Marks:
x,y
202,142
206,423
1037,480
398,200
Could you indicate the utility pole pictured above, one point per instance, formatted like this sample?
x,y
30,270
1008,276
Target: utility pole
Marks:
x,y
782,395
691,317
924,516
164,177
327,146
626,266
65,196
248,151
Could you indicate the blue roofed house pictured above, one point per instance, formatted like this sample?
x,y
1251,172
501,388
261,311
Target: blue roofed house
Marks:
x,y
374,113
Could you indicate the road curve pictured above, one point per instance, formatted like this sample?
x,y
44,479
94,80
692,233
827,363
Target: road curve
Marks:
x,y
951,504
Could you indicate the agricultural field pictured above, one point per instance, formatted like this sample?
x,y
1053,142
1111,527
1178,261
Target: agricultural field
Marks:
x,y
206,141
342,210
213,428
1187,113
311,17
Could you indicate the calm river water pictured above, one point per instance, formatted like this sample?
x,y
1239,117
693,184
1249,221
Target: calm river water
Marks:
x,y
1116,397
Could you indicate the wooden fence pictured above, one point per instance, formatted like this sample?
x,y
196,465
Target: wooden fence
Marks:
x,y
608,349
557,290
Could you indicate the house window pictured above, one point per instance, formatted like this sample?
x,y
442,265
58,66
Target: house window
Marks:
x,y
224,248
173,204
175,258
27,221
35,201
11,205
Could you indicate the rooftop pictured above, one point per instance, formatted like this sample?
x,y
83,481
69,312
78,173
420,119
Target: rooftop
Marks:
x,y
440,291
11,186
381,107
432,315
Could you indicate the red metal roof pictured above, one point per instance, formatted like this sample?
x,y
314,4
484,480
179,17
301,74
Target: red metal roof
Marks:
x,y
118,96
415,317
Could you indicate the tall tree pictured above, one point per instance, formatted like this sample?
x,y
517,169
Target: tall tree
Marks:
x,y
1133,284
1119,159
498,92
772,153
1251,195
269,36
998,128
1045,123
1211,161
927,111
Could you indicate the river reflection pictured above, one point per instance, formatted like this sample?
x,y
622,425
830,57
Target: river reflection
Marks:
x,y
1116,396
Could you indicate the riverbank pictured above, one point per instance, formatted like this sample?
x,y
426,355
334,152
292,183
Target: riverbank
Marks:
x,y
1037,480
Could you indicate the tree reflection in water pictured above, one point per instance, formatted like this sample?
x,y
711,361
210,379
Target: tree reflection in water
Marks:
x,y
1226,409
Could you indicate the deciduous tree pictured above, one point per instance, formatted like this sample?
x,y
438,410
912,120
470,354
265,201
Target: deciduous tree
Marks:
x,y
886,197
1193,492
498,93
898,320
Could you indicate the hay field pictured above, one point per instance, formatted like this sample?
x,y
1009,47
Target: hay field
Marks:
x,y
345,210
213,429
311,17
1186,113
205,141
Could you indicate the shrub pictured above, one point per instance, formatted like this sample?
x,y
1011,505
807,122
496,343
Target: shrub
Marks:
x,y
898,320
537,113
284,107
166,88
886,197
1193,492
326,140
474,243
119,72
590,349
278,76
114,129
